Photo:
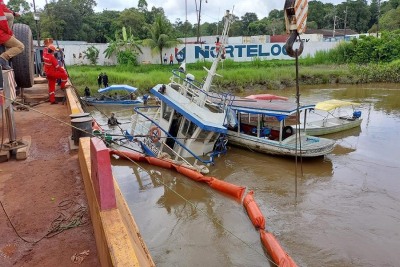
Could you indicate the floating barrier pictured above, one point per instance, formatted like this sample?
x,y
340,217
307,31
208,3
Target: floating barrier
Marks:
x,y
274,249
133,156
222,186
192,174
227,188
255,214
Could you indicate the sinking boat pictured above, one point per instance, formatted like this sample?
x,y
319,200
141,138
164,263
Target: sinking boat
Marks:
x,y
260,125
335,118
121,94
183,127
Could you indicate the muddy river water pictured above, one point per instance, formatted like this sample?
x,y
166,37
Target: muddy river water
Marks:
x,y
346,213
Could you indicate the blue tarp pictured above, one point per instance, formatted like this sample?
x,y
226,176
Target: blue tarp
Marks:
x,y
115,87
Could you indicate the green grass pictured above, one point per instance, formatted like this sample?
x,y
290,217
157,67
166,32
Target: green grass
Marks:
x,y
238,76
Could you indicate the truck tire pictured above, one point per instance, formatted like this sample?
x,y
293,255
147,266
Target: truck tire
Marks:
x,y
23,64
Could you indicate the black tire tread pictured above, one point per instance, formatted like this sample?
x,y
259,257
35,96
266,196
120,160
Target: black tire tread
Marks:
x,y
23,64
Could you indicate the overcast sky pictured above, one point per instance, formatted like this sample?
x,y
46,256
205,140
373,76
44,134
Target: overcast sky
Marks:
x,y
211,11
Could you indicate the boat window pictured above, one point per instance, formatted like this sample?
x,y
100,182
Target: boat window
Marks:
x,y
185,127
167,111
214,137
188,128
202,136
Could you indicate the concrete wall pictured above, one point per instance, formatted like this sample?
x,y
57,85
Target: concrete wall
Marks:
x,y
239,52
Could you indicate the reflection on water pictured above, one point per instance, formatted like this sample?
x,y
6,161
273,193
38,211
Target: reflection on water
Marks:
x,y
346,214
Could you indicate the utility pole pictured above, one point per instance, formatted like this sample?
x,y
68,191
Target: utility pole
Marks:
x,y
334,26
37,18
198,20
377,19
345,22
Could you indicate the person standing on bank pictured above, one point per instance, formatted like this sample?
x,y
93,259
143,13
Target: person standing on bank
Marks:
x,y
171,59
53,72
112,121
100,79
165,58
87,92
105,80
15,47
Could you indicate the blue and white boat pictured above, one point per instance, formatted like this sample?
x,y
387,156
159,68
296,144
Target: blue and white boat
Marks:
x,y
120,94
184,127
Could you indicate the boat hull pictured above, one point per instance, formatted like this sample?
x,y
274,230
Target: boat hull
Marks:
x,y
310,146
94,102
332,125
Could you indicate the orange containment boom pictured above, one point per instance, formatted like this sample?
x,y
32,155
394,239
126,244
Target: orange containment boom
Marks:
x,y
227,188
255,214
275,251
222,186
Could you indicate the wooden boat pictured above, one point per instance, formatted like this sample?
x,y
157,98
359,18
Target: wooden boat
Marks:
x,y
272,138
121,94
333,120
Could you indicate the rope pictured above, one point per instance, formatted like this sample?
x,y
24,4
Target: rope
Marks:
x,y
61,223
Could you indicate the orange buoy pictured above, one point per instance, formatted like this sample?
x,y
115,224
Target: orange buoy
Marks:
x,y
228,188
255,214
155,134
275,251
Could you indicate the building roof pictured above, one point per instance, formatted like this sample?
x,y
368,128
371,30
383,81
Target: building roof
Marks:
x,y
329,32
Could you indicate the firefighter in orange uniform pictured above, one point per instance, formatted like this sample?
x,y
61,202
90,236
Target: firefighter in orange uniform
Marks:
x,y
7,39
53,72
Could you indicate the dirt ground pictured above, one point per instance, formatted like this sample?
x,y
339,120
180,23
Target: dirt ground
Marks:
x,y
33,190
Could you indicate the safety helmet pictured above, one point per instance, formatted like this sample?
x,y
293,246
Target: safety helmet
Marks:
x,y
48,41
52,47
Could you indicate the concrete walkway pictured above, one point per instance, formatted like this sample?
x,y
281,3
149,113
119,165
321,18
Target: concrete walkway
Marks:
x,y
44,191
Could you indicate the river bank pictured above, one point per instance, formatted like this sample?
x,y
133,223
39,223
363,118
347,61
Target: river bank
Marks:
x,y
241,77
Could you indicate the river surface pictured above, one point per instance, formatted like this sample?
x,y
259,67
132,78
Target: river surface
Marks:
x,y
346,213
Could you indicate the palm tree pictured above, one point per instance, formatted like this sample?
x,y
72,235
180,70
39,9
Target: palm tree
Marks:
x,y
160,37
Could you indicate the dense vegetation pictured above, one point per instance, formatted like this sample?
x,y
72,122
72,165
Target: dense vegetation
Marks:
x,y
76,20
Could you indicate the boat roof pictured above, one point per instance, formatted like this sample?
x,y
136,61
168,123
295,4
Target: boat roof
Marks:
x,y
334,103
278,109
116,87
266,97
191,111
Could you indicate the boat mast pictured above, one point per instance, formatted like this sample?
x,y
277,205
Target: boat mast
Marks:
x,y
221,52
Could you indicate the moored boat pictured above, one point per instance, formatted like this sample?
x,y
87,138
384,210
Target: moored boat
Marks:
x,y
255,130
121,94
334,120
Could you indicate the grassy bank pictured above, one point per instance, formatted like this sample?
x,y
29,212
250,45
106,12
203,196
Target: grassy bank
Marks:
x,y
238,77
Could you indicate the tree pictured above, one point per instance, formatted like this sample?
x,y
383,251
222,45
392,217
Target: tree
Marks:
x,y
316,13
248,18
92,53
142,5
390,21
124,47
20,6
103,24
160,36
135,20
